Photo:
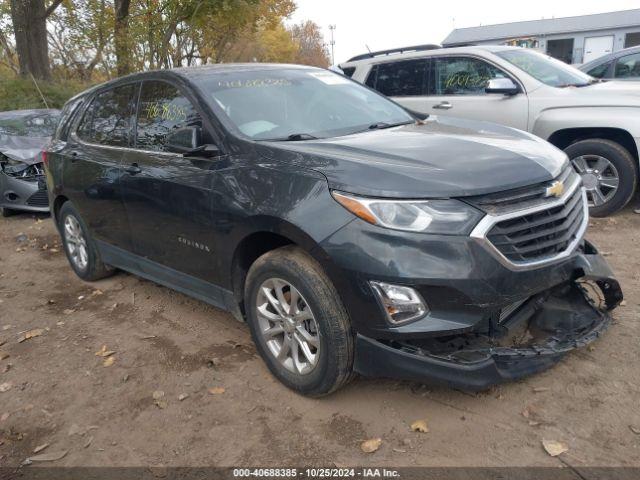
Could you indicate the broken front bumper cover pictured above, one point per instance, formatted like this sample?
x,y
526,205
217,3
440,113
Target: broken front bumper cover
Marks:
x,y
533,338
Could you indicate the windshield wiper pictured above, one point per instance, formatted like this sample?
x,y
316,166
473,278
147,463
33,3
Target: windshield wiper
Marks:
x,y
381,125
296,137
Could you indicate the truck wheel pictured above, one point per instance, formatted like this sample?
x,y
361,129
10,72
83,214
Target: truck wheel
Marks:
x,y
608,171
298,322
79,246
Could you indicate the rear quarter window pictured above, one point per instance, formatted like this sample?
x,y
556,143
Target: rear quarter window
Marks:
x,y
399,79
66,118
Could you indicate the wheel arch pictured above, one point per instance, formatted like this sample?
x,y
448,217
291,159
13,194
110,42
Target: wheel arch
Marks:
x,y
268,235
57,205
565,137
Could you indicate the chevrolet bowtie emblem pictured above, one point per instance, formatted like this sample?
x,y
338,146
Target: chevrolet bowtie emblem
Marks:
x,y
555,190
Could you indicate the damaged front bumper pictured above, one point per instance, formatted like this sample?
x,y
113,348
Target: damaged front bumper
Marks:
x,y
533,337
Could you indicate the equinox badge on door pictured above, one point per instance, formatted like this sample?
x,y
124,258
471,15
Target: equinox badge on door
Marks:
x,y
191,243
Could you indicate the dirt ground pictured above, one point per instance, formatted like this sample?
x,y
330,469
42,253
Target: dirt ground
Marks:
x,y
58,392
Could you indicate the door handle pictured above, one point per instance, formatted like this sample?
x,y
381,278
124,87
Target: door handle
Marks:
x,y
443,106
133,169
74,156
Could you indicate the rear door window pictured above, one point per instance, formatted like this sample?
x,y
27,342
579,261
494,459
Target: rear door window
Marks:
x,y
628,66
107,121
462,76
162,109
399,79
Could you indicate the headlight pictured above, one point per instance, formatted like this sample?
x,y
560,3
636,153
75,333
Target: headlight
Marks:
x,y
447,217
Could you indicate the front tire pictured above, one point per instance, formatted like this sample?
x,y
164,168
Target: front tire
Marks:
x,y
7,212
609,174
298,322
79,247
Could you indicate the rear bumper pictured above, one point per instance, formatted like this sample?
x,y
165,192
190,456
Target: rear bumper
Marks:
x,y
561,319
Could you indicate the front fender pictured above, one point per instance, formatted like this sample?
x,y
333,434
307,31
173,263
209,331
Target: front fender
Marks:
x,y
554,119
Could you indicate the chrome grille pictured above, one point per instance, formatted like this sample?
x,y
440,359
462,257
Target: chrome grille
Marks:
x,y
540,234
525,238
520,198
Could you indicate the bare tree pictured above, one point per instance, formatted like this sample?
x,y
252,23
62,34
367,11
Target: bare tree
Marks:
x,y
29,19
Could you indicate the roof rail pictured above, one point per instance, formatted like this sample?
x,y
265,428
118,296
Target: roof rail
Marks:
x,y
415,48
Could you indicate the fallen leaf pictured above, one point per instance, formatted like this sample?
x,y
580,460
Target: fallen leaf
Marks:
x,y
5,387
526,413
75,430
541,389
158,394
108,361
370,446
623,303
103,352
48,457
3,355
183,396
97,292
634,429
216,390
533,423
399,450
4,416
31,334
39,448
554,448
86,445
419,426
68,311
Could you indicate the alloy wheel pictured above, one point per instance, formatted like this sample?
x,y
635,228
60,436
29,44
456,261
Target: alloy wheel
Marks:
x,y
288,326
76,242
599,177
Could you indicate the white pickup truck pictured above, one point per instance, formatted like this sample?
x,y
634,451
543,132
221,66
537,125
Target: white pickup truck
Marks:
x,y
596,123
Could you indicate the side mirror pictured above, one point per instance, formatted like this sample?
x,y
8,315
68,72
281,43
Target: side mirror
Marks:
x,y
184,140
502,86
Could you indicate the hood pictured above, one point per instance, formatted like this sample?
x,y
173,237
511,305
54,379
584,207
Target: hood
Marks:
x,y
23,149
605,94
443,157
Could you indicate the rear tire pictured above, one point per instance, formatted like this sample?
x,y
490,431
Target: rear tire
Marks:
x,y
297,275
620,169
79,247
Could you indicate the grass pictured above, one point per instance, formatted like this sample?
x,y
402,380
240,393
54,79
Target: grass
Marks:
x,y
21,93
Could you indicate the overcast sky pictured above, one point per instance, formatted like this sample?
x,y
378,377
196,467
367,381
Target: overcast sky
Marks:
x,y
383,24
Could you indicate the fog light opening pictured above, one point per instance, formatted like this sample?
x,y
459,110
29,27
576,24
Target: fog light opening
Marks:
x,y
401,304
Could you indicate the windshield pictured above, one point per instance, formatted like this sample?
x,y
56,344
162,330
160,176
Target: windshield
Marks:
x,y
546,69
32,125
297,104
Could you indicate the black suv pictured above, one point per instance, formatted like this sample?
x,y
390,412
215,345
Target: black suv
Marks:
x,y
351,235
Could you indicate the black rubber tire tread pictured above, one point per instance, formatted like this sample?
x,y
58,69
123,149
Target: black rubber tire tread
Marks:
x,y
624,163
96,269
335,367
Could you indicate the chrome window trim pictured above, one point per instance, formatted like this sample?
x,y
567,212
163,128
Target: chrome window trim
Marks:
x,y
77,139
479,233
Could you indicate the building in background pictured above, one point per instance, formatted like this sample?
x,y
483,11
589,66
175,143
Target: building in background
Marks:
x,y
572,39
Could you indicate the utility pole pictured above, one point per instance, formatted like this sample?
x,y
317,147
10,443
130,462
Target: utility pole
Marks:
x,y
332,43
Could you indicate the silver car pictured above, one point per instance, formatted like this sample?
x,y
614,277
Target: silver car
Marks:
x,y
23,134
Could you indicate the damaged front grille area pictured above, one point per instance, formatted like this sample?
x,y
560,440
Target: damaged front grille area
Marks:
x,y
547,325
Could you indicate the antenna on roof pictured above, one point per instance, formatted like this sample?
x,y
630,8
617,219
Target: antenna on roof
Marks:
x,y
368,49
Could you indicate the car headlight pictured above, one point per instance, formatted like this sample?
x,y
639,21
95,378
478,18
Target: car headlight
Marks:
x,y
446,217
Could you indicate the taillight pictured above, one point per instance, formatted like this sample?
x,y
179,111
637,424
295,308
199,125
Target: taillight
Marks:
x,y
45,159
